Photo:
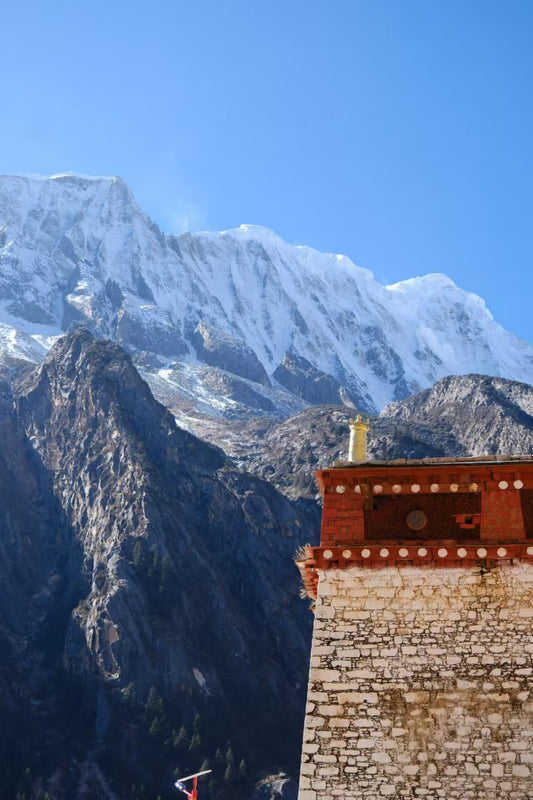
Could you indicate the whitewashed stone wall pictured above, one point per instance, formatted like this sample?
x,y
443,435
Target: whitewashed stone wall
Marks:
x,y
421,685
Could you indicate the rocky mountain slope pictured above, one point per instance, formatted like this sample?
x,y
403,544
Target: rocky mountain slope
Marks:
x,y
150,617
150,608
467,415
237,323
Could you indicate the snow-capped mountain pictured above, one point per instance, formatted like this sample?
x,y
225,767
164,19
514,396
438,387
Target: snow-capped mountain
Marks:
x,y
232,319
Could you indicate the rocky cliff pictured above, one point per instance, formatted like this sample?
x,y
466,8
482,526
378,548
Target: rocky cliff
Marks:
x,y
150,617
150,607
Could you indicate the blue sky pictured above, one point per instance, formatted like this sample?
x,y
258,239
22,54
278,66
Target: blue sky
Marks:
x,y
397,132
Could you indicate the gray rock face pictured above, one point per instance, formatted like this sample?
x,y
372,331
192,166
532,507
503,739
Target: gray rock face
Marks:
x,y
173,570
220,349
473,414
232,388
288,453
470,415
300,377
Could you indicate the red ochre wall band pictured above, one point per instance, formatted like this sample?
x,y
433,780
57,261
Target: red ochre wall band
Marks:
x,y
431,555
425,515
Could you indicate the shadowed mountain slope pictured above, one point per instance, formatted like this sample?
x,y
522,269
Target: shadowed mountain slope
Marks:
x,y
153,584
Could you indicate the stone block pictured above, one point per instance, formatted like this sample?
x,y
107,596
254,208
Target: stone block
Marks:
x,y
521,771
331,711
339,722
381,757
365,674
420,698
357,698
318,674
314,722
507,756
329,771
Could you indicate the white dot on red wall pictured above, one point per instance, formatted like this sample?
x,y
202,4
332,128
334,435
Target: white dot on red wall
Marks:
x,y
442,552
481,552
529,551
378,488
328,554
454,487
365,553
473,487
384,552
503,485
422,551
346,553
396,488
502,552
403,552
357,489
415,487
434,487
461,552
340,489
518,485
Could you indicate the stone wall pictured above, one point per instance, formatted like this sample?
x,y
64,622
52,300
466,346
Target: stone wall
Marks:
x,y
421,685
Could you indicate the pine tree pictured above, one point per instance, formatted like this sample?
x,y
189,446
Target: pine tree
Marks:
x,y
154,571
168,576
230,772
138,555
156,727
220,763
129,696
154,703
181,739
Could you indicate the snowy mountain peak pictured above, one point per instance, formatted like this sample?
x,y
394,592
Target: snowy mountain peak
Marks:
x,y
255,232
432,282
282,318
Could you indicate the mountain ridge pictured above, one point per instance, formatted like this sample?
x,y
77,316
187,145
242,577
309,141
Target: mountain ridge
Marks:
x,y
146,582
79,249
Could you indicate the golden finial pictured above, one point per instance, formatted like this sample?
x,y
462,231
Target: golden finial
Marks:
x,y
358,435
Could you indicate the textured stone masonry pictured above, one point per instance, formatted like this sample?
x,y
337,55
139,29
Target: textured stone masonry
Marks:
x,y
421,685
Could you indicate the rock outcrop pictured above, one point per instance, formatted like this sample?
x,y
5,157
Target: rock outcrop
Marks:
x,y
302,379
220,349
152,577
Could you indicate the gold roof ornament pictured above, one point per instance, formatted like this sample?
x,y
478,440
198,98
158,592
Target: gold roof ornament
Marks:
x,y
359,428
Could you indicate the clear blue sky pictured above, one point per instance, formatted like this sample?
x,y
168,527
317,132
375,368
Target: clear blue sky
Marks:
x,y
398,132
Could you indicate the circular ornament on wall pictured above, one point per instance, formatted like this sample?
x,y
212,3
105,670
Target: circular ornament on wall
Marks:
x,y
416,520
